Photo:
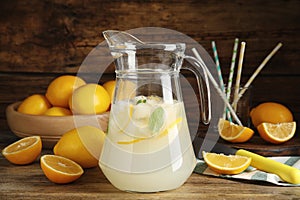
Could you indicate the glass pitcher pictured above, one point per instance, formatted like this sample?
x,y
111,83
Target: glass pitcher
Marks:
x,y
148,146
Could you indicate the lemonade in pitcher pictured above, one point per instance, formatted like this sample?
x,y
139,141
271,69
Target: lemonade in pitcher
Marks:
x,y
148,146
151,141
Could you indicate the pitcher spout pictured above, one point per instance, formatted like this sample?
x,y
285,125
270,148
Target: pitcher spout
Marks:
x,y
115,38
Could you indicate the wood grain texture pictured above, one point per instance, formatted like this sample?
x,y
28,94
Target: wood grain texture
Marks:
x,y
40,40
55,36
29,182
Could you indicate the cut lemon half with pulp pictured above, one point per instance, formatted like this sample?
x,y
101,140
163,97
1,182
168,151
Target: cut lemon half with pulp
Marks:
x,y
234,133
59,169
23,151
226,164
277,133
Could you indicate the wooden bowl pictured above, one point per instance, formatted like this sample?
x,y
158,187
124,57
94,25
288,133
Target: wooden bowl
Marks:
x,y
50,128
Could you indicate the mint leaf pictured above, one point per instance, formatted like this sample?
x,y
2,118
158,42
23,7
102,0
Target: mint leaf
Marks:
x,y
141,101
156,120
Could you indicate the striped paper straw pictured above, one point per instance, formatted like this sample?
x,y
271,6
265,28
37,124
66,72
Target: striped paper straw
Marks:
x,y
214,47
232,66
215,84
238,75
261,66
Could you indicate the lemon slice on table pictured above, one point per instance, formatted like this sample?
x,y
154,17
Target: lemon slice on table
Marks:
x,y
59,169
23,151
234,133
226,164
277,133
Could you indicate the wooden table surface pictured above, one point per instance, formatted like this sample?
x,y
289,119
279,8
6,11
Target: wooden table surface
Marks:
x,y
41,40
29,182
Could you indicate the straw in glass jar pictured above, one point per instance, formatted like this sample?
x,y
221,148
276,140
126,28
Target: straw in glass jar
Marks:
x,y
231,72
238,75
260,67
213,44
218,67
215,84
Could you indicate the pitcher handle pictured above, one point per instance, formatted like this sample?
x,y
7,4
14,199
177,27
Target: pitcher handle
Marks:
x,y
205,110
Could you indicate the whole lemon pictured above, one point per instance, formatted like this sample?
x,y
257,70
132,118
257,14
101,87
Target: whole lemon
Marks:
x,y
58,111
110,87
61,88
270,112
35,104
89,99
126,89
83,145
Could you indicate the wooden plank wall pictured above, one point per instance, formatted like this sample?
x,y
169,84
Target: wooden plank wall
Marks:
x,y
40,40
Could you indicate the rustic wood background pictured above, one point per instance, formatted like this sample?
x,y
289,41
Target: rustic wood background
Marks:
x,y
40,40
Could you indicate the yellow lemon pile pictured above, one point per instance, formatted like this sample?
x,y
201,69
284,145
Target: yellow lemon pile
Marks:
x,y
78,148
67,95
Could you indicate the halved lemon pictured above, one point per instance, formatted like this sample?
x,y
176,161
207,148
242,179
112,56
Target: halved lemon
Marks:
x,y
226,164
23,151
59,169
277,133
234,133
